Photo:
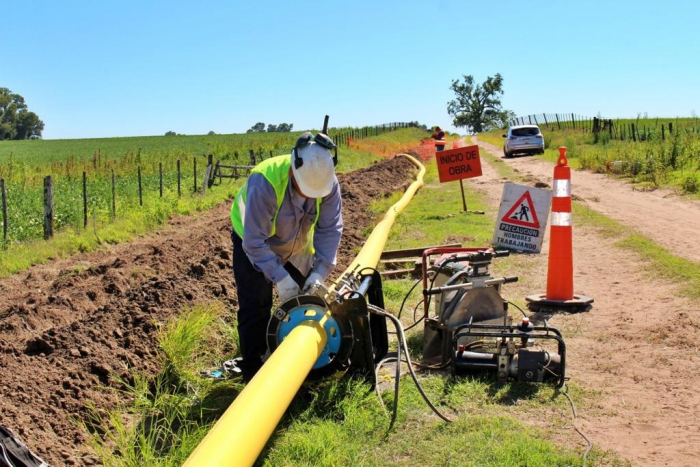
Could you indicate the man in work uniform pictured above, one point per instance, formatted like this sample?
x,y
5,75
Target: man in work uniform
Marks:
x,y
439,137
287,225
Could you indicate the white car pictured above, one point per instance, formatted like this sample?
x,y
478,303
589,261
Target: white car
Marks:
x,y
523,139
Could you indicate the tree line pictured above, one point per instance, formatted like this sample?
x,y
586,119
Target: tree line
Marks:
x,y
16,121
271,128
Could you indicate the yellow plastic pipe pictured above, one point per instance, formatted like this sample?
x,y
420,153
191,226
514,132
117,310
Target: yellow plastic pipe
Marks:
x,y
368,257
240,434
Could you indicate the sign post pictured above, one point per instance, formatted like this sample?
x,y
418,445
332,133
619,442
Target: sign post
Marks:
x,y
458,164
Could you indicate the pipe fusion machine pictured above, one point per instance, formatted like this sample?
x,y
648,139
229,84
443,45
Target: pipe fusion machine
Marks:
x,y
468,331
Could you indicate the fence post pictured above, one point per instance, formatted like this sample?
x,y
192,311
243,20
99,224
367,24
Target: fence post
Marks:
x,y
160,173
546,123
114,198
48,207
663,133
179,192
195,174
85,206
4,212
205,181
140,189
252,156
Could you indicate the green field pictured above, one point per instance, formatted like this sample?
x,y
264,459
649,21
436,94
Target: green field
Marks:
x,y
653,158
24,164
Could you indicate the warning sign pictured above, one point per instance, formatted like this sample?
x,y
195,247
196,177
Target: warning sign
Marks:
x,y
522,218
457,164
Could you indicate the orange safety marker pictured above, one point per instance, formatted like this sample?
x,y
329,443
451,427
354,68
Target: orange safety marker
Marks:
x,y
560,270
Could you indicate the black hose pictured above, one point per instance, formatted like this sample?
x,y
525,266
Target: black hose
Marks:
x,y
403,303
573,409
516,306
402,342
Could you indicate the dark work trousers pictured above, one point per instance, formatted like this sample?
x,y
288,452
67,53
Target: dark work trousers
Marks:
x,y
439,147
254,307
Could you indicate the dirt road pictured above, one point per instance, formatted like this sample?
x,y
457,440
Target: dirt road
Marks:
x,y
636,352
661,215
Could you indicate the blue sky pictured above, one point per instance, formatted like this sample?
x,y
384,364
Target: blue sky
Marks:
x,y
128,68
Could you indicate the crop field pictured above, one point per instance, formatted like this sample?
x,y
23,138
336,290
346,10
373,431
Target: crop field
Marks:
x,y
24,164
651,152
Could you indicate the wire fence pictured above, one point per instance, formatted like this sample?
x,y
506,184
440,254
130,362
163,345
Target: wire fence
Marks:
x,y
34,207
635,130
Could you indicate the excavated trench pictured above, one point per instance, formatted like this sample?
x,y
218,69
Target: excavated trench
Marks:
x,y
68,326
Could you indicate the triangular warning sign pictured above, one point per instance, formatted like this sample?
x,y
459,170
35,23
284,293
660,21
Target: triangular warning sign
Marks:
x,y
523,213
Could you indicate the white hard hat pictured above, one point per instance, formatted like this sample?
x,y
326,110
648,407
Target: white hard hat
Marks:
x,y
313,169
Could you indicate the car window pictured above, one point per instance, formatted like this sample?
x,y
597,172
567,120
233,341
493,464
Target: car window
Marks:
x,y
525,131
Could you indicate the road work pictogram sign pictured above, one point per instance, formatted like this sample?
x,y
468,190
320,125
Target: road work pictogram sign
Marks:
x,y
522,218
458,164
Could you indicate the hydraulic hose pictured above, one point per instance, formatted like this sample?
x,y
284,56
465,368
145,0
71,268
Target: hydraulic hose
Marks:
x,y
402,342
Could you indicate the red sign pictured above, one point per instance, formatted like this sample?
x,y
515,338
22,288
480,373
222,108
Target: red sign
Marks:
x,y
457,164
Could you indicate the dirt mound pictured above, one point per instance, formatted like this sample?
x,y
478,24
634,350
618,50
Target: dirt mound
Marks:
x,y
66,327
358,192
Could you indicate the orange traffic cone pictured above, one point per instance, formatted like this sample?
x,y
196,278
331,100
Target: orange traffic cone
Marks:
x,y
560,271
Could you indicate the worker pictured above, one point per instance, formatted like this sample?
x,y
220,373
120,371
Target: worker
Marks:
x,y
287,224
439,137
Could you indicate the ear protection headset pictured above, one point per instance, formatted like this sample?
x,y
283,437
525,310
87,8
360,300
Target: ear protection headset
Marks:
x,y
321,139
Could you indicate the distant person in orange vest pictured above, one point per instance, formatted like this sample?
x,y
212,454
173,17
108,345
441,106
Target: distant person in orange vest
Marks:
x,y
439,137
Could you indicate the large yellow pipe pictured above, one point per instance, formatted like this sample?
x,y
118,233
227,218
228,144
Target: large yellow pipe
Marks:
x,y
368,257
240,434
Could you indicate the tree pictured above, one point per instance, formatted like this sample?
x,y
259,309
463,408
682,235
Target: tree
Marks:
x,y
285,127
477,107
211,133
170,133
29,126
257,128
271,128
16,121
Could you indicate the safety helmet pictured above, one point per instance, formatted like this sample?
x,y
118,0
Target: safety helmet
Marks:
x,y
313,166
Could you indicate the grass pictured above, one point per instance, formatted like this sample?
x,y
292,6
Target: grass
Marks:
x,y
331,423
21,255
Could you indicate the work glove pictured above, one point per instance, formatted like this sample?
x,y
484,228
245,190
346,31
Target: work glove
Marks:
x,y
313,279
287,288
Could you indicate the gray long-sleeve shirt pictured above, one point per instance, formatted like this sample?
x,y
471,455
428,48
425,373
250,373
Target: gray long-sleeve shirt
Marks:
x,y
294,220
